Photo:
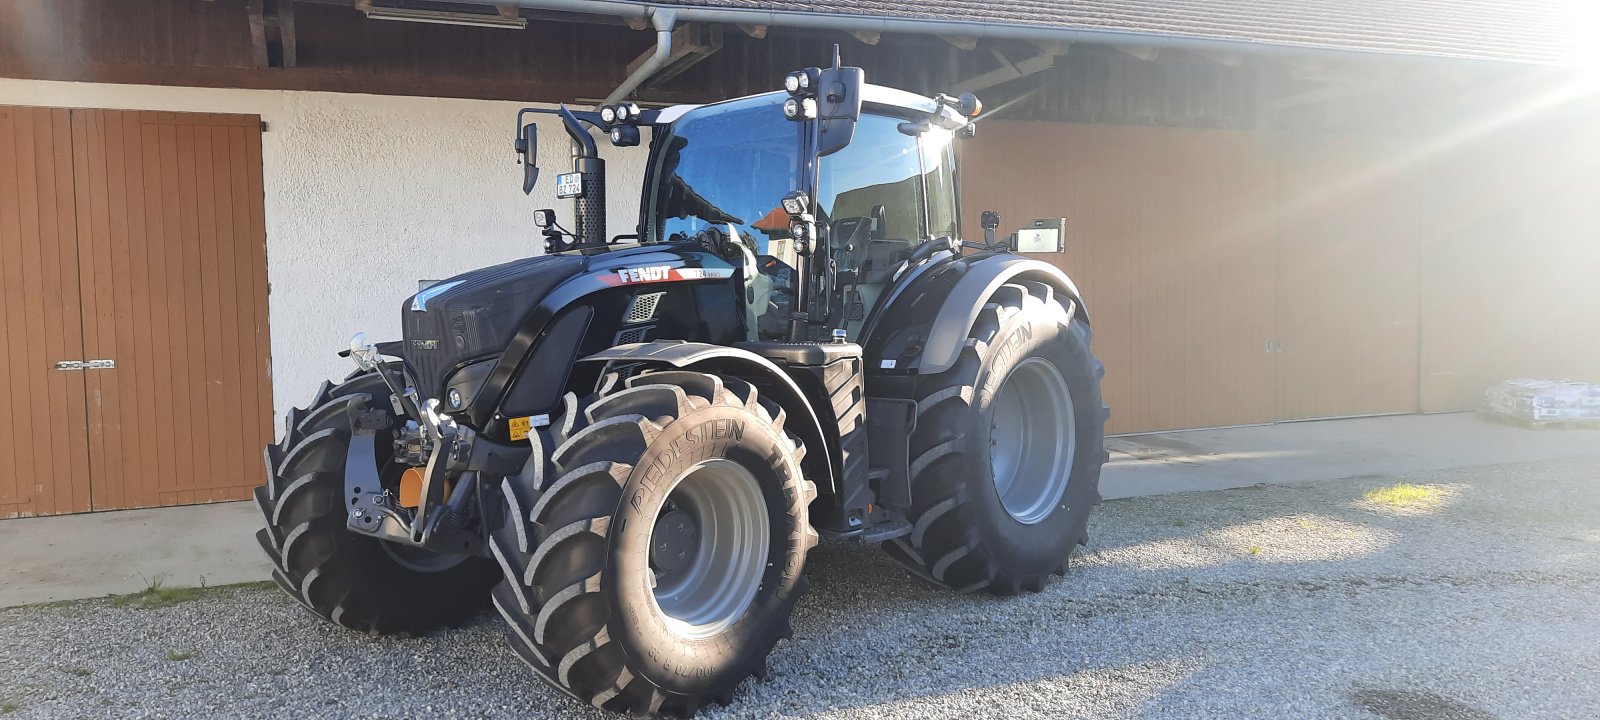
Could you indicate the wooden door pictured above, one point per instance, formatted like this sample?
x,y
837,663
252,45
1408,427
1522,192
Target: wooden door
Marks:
x,y
173,256
1348,266
1170,238
44,468
136,239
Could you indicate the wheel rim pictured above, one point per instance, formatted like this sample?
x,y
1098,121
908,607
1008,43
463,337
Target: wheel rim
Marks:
x,y
708,548
1032,440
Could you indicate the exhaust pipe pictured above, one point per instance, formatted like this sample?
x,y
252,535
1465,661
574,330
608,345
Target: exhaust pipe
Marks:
x,y
589,208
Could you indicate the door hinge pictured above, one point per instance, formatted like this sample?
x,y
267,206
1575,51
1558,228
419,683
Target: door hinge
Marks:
x,y
105,364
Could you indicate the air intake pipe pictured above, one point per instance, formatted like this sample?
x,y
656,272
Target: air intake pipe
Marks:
x,y
589,207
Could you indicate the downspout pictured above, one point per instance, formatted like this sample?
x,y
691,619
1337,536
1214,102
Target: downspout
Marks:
x,y
663,19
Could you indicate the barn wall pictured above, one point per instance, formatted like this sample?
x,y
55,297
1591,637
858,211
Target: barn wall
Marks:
x,y
1252,276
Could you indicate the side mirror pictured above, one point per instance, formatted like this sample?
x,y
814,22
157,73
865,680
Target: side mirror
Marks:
x,y
838,105
544,218
528,149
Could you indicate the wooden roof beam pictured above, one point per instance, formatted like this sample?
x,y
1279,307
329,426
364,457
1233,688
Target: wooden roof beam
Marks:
x,y
272,37
961,42
1143,52
691,43
867,37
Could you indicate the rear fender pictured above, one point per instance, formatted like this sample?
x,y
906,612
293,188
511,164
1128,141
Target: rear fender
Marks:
x,y
821,463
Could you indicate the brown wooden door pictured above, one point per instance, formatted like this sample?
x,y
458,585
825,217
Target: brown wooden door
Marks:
x,y
173,256
136,238
1348,269
1170,238
44,468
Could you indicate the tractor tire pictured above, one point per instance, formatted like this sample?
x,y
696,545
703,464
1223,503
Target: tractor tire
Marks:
x,y
357,581
1006,454
653,565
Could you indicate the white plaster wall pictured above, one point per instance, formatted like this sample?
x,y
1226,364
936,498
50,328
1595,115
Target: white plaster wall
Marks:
x,y
364,196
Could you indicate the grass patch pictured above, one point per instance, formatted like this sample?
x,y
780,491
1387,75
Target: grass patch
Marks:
x,y
1406,496
7,707
1255,549
156,595
179,655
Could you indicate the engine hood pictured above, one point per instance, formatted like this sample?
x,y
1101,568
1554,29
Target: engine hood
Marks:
x,y
475,314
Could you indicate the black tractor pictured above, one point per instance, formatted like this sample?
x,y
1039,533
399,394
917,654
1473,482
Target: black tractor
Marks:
x,y
628,444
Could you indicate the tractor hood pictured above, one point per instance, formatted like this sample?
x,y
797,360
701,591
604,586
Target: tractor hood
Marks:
x,y
475,315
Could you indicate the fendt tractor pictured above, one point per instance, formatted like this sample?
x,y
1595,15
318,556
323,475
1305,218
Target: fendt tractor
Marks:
x,y
627,445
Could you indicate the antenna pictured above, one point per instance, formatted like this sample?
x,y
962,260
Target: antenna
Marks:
x,y
836,56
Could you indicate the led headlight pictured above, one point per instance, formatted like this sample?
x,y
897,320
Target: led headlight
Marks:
x,y
608,114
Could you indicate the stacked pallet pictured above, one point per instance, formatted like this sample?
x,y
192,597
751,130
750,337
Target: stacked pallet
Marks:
x,y
1545,401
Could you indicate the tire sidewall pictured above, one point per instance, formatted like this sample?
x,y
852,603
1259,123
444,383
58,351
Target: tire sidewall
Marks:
x,y
1048,332
690,666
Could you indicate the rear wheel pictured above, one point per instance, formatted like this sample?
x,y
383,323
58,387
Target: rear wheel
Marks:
x,y
654,565
1007,450
357,581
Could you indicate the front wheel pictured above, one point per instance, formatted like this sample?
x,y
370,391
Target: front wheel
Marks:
x,y
357,581
1007,450
658,563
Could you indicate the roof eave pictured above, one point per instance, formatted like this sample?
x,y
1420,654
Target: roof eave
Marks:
x,y
843,22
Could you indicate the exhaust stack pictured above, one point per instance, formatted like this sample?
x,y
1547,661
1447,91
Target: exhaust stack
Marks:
x,y
589,205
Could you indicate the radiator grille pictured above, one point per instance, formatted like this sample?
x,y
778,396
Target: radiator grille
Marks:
x,y
634,335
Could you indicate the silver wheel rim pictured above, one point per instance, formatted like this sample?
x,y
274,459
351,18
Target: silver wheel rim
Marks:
x,y
706,585
1032,440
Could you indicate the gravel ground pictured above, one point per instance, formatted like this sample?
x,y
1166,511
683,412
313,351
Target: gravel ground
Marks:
x,y
1275,601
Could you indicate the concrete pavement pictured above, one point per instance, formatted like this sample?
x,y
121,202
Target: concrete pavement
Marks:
x,y
78,556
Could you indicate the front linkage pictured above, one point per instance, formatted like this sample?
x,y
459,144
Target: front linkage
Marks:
x,y
447,517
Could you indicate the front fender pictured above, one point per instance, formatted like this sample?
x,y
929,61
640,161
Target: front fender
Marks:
x,y
926,324
821,461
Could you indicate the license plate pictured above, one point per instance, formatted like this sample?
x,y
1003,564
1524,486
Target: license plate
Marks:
x,y
569,185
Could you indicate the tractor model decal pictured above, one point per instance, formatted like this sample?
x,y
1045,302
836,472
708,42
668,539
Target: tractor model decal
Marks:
x,y
665,273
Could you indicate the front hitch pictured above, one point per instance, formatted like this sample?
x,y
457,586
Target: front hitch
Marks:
x,y
447,518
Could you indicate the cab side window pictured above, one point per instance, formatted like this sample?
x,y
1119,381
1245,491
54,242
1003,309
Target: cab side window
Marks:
x,y
938,158
876,179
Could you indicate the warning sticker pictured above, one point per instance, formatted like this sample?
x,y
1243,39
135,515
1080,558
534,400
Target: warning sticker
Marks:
x,y
520,427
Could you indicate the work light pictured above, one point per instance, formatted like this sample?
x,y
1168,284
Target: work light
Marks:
x,y
608,114
798,108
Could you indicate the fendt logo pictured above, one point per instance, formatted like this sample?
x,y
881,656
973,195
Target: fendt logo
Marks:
x,y
665,273
654,273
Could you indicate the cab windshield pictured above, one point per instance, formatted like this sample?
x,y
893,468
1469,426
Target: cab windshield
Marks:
x,y
732,163
726,164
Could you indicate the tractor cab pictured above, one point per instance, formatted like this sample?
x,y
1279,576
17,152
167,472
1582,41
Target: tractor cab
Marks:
x,y
873,166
